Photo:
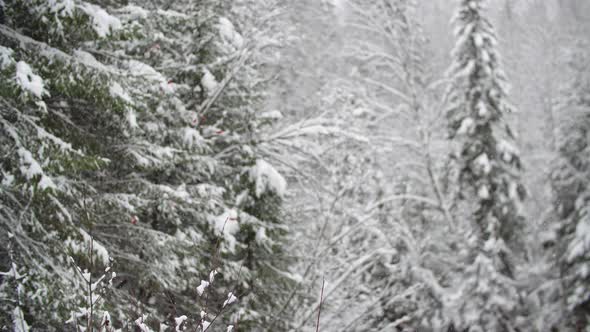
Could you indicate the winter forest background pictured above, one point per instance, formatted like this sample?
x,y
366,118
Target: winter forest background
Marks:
x,y
268,165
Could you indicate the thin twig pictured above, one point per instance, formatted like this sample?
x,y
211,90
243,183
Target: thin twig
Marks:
x,y
317,327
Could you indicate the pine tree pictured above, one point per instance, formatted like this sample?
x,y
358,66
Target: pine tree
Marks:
x,y
571,191
488,168
135,129
50,137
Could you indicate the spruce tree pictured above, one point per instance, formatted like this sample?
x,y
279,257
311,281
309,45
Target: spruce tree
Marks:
x,y
135,128
488,169
569,179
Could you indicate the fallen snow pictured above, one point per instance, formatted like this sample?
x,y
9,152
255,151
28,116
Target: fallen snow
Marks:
x,y
267,178
507,150
272,115
205,325
208,82
482,109
5,57
30,168
103,22
131,118
98,249
202,287
89,60
133,12
62,6
116,90
466,127
227,226
18,321
140,69
477,40
261,237
483,163
580,244
141,325
212,275
191,137
28,80
179,321
228,33
483,192
231,298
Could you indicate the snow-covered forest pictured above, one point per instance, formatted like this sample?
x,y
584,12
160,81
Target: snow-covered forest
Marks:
x,y
295,165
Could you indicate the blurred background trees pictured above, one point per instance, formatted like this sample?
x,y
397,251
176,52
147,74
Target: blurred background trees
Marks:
x,y
433,174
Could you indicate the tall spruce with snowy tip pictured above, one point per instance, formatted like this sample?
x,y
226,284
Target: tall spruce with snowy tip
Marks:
x,y
571,190
488,165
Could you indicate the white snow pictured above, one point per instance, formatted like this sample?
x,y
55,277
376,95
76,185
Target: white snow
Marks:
x,y
191,137
133,12
208,82
205,324
231,298
46,183
482,110
360,111
267,178
228,33
483,192
212,275
103,22
261,237
230,328
201,288
29,81
18,321
140,69
171,13
7,179
117,90
62,6
89,60
179,321
227,225
580,244
513,190
106,318
141,325
131,118
5,57
507,150
467,126
30,168
466,70
483,163
477,40
274,114
485,57
99,251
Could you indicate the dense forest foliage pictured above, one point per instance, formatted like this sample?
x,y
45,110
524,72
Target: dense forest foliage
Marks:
x,y
310,165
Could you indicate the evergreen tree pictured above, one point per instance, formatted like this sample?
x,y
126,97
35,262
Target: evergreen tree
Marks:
x,y
572,193
488,166
133,130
